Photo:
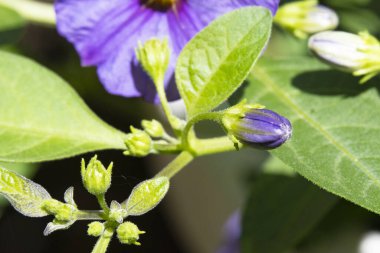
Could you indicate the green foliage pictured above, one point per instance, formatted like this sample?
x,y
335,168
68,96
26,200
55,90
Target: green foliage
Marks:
x,y
281,210
146,195
25,196
10,25
218,59
335,125
44,118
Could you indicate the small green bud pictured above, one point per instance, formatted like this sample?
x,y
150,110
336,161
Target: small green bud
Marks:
x,y
154,56
117,213
96,178
138,143
95,229
61,211
153,128
129,233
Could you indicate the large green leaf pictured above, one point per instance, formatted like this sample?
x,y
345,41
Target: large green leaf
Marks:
x,y
10,25
280,212
217,60
336,123
42,118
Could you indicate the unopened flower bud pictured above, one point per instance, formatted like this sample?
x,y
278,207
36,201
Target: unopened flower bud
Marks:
x,y
138,143
154,56
306,17
153,128
95,229
96,178
129,233
117,213
359,54
256,127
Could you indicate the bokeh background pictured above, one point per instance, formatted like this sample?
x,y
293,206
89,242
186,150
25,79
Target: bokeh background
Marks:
x,y
202,197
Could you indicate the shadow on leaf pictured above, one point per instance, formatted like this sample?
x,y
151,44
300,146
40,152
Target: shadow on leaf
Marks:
x,y
332,83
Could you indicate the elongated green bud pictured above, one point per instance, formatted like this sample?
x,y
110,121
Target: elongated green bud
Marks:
x,y
138,143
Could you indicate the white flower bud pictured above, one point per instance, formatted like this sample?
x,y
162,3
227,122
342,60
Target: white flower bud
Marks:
x,y
306,17
359,54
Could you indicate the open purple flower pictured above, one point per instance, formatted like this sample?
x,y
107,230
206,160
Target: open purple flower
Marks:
x,y
106,32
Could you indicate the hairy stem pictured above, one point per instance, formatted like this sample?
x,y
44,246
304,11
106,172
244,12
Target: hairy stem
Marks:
x,y
91,215
186,138
104,240
37,12
174,122
103,204
176,165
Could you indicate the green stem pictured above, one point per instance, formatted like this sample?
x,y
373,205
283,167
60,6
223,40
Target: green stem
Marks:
x,y
174,122
103,204
213,146
167,148
214,116
104,240
176,165
38,12
90,215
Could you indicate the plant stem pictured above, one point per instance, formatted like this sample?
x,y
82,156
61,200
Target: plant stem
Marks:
x,y
38,12
167,148
91,215
214,116
104,240
174,122
213,146
103,204
176,165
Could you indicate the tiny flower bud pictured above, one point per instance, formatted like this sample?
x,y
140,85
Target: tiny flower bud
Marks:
x,y
129,233
256,127
154,56
96,178
306,17
153,128
95,229
359,54
117,213
138,143
61,211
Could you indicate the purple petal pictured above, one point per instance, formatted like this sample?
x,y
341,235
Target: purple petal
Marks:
x,y
106,32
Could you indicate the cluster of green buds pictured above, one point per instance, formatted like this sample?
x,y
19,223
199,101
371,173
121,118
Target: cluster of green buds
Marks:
x,y
358,54
306,17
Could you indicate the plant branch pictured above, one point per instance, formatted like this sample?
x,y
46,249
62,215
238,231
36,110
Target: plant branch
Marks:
x,y
176,165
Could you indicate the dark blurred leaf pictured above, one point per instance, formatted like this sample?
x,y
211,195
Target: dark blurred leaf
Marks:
x,y
11,24
280,211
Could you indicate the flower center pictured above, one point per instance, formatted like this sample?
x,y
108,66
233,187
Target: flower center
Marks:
x,y
161,5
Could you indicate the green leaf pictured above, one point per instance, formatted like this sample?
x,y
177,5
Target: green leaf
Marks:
x,y
280,212
10,25
218,59
336,125
146,196
25,196
43,118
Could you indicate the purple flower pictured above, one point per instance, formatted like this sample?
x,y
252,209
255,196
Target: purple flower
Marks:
x,y
232,231
259,128
106,32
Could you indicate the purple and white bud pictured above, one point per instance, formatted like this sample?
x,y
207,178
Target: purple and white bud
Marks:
x,y
258,128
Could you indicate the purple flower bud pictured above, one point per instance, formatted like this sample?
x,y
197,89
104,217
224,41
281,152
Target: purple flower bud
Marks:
x,y
259,128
